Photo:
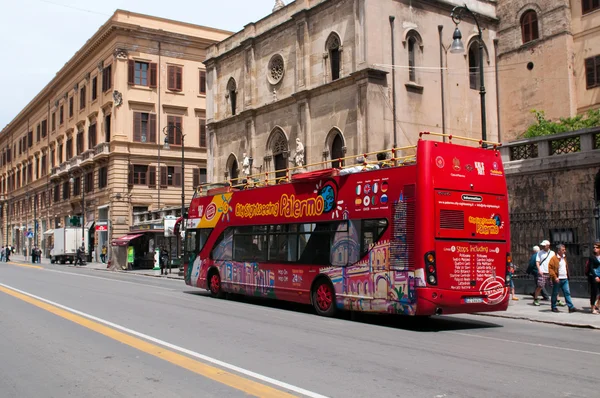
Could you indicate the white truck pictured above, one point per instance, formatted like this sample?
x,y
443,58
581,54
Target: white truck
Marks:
x,y
66,242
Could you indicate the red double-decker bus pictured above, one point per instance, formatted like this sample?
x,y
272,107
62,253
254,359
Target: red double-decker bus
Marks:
x,y
422,237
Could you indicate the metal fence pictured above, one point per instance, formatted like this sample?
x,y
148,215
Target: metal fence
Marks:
x,y
573,225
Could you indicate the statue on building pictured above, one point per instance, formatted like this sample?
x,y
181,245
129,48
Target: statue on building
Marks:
x,y
278,5
299,156
246,165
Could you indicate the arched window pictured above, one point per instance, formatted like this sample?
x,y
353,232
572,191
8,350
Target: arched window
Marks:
x,y
337,151
232,169
334,49
232,94
529,26
412,76
278,145
474,59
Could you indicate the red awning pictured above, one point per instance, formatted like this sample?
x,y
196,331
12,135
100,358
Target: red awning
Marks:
x,y
124,240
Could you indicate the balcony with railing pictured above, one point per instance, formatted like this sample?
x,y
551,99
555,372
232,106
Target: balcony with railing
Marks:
x,y
54,172
87,157
64,168
581,147
101,151
75,161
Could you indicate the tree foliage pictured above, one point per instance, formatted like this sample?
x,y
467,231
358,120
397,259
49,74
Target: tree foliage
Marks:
x,y
544,126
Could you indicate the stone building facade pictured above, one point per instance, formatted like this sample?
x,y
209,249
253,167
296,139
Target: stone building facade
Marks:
x,y
320,71
554,193
548,60
97,130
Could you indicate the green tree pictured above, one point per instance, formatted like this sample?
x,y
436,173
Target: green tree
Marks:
x,y
544,126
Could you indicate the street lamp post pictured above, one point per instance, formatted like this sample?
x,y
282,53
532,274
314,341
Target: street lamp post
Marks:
x,y
457,47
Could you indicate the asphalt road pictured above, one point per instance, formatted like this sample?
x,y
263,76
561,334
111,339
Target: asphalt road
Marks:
x,y
156,337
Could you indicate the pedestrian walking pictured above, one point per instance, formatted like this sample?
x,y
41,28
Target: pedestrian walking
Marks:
x,y
79,255
33,255
8,252
543,258
164,260
592,270
511,274
103,254
558,270
533,271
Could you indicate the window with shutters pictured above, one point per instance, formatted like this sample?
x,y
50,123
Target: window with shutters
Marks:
x,y
37,168
44,128
44,165
588,6
71,110
59,157
202,82
139,174
89,182
94,88
38,133
174,124
79,142
52,158
29,173
102,177
61,115
173,176
144,127
77,186
152,176
474,79
30,139
195,178
141,73
56,194
53,121
69,149
82,98
92,136
66,190
107,128
202,133
106,78
174,78
592,72
529,26
199,177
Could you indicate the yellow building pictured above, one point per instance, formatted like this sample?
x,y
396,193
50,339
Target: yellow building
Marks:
x,y
96,132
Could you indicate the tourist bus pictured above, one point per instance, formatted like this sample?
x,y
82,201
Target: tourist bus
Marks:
x,y
422,235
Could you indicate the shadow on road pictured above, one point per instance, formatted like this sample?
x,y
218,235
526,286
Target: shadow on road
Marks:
x,y
417,324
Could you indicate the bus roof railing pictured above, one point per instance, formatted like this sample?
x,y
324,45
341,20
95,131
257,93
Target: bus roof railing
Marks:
x,y
361,163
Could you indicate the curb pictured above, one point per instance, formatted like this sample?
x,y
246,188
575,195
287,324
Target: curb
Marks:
x,y
568,324
146,275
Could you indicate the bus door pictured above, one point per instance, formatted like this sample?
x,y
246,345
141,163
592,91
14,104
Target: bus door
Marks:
x,y
471,234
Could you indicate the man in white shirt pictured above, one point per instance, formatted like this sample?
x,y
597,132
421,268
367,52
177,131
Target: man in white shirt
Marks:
x,y
543,259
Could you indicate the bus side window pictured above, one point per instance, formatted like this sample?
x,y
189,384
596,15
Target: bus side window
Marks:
x,y
372,231
223,247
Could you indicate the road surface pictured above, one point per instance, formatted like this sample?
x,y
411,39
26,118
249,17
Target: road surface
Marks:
x,y
85,333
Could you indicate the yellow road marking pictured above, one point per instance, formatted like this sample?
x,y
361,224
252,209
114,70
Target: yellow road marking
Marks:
x,y
230,379
25,265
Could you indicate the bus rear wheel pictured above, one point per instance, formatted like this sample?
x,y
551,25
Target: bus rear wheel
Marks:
x,y
214,284
323,298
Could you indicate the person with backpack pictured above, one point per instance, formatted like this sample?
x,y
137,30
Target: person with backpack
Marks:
x,y
541,262
533,271
592,270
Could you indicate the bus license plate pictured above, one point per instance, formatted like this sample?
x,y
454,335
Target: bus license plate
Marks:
x,y
473,300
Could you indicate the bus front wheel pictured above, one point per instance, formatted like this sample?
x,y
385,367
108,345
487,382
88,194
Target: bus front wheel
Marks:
x,y
214,284
323,298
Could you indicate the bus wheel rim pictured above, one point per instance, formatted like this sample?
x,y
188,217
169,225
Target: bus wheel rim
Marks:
x,y
215,283
324,297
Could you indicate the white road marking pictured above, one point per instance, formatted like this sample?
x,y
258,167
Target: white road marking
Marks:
x,y
526,343
174,347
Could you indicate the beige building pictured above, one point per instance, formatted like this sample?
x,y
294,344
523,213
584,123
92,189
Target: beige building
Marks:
x,y
548,60
96,130
321,71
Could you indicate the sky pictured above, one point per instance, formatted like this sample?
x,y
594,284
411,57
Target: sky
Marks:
x,y
38,37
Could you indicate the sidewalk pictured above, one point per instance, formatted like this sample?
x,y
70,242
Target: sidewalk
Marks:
x,y
103,267
524,309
